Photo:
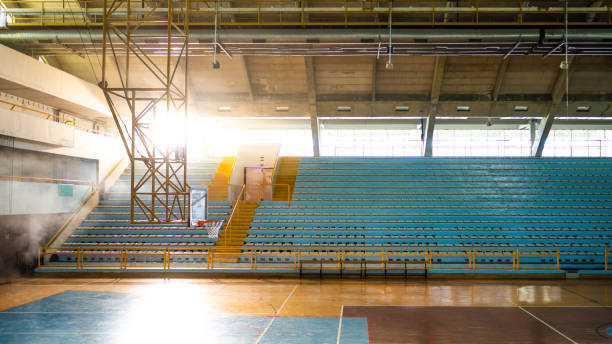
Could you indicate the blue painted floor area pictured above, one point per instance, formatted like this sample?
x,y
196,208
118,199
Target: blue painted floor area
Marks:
x,y
354,330
107,317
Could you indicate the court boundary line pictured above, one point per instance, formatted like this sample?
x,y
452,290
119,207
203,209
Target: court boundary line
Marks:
x,y
340,325
286,300
549,326
480,306
263,334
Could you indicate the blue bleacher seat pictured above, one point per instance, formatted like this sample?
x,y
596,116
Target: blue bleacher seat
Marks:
x,y
514,203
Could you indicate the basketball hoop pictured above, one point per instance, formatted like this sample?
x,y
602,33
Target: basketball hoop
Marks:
x,y
212,227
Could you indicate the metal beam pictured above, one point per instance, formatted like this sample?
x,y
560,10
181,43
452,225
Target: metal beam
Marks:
x,y
428,135
161,193
310,78
312,103
532,131
466,9
436,86
347,15
499,79
542,134
247,75
559,89
374,72
438,77
514,47
551,51
314,128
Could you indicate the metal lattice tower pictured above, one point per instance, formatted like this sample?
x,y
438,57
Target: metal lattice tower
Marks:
x,y
150,109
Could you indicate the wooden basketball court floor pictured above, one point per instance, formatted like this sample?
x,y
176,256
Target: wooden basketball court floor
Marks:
x,y
122,310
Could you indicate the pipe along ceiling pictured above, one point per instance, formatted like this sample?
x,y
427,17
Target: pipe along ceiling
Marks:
x,y
585,41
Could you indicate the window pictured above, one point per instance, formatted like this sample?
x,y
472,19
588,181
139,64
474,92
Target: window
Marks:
x,y
5,18
367,141
455,142
579,143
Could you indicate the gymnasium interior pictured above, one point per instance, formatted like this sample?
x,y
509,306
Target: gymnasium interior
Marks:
x,y
309,171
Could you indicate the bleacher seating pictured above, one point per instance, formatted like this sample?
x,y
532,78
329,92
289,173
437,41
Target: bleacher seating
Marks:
x,y
446,203
108,225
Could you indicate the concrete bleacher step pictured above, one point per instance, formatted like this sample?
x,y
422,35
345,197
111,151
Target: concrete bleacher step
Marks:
x,y
218,188
240,223
286,174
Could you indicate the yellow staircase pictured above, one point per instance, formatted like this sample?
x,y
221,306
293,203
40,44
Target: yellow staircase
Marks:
x,y
218,187
233,233
286,173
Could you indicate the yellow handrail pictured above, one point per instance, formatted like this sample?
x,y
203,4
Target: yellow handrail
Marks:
x,y
49,180
65,181
330,258
48,114
342,15
489,252
449,252
288,192
66,121
538,252
114,168
412,252
61,229
228,226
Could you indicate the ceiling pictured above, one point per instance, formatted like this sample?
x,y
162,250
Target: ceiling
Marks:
x,y
493,58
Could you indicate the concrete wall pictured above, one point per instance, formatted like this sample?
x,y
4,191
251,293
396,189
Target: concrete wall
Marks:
x,y
31,212
19,197
32,128
26,77
253,155
106,150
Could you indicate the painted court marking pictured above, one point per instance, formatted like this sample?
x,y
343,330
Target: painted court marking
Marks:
x,y
275,315
340,325
545,323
